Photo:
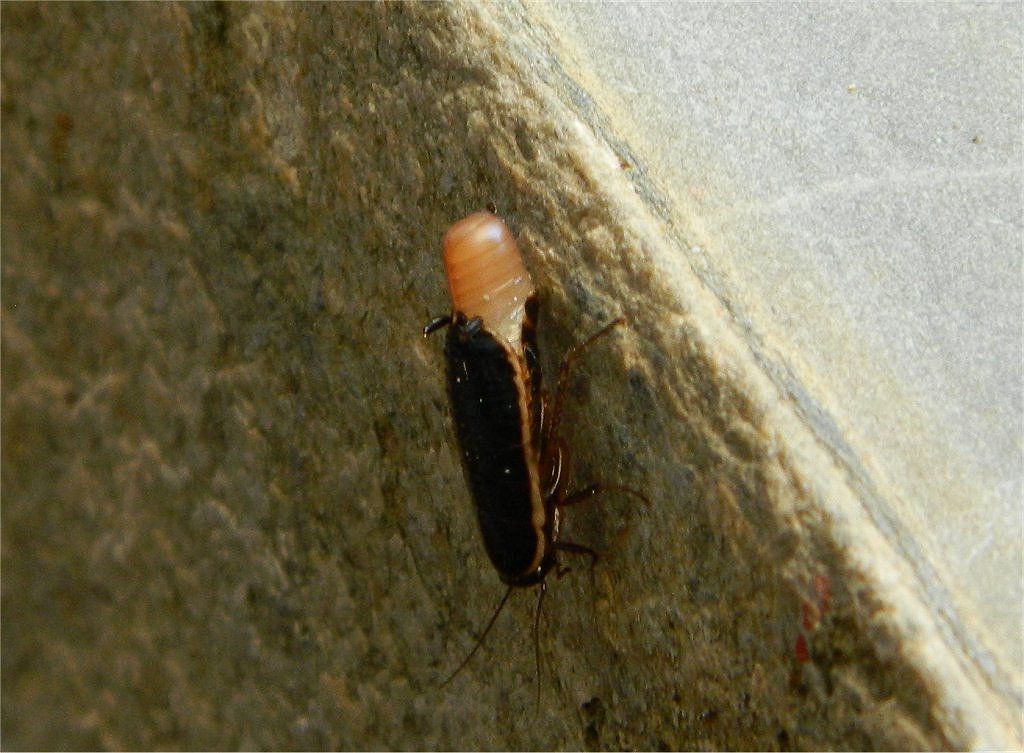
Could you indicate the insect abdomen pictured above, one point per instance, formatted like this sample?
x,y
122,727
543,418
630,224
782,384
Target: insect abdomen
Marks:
x,y
486,275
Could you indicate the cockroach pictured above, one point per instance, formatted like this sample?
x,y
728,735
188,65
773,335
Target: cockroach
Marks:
x,y
507,426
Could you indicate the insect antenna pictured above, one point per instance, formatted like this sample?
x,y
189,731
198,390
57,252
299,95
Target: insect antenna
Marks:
x,y
536,639
480,640
438,322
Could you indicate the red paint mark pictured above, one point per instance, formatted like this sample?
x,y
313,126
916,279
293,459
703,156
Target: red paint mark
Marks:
x,y
811,614
808,616
800,649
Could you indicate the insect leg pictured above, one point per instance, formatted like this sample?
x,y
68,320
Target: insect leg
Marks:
x,y
564,372
571,548
554,463
589,492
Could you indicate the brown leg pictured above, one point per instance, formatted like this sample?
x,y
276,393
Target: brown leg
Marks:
x,y
582,495
555,467
585,495
562,386
589,492
571,548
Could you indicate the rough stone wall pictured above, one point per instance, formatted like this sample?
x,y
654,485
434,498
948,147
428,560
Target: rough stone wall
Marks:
x,y
233,515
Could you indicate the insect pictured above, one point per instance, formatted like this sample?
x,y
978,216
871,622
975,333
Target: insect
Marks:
x,y
507,426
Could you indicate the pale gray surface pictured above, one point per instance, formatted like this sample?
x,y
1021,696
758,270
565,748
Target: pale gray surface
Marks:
x,y
850,181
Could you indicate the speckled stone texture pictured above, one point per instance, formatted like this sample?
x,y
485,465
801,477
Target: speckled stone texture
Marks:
x,y
233,515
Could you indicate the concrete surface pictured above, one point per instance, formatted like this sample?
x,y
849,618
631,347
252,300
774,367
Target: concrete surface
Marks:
x,y
848,180
233,515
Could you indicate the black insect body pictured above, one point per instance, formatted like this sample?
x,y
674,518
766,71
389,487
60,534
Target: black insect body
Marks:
x,y
491,390
507,427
